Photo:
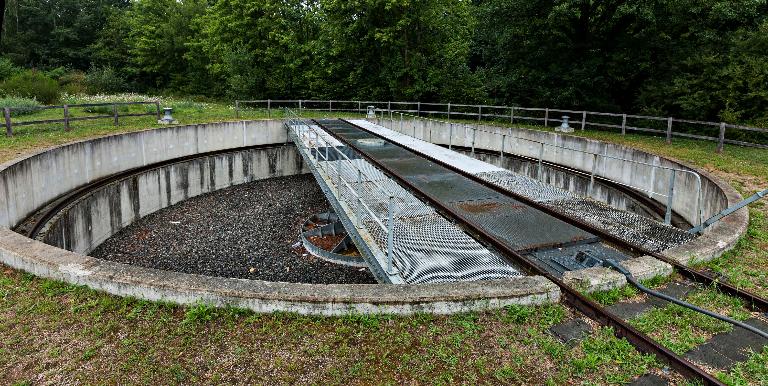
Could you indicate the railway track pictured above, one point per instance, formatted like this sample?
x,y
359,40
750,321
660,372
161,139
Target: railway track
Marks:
x,y
573,297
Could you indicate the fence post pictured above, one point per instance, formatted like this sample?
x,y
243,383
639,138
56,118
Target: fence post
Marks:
x,y
721,138
546,117
66,117
237,109
669,130
157,110
269,108
114,112
583,120
7,115
624,124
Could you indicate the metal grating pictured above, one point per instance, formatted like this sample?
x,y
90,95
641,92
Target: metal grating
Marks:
x,y
630,227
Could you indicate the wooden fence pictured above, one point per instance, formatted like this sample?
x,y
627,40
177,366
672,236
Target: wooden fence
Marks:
x,y
668,127
67,118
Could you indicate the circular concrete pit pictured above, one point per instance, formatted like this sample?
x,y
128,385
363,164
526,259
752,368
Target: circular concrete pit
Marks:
x,y
212,249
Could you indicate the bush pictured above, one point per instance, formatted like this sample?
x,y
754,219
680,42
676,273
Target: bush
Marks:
x,y
7,69
21,106
31,84
73,83
104,80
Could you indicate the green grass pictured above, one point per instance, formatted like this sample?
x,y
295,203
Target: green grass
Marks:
x,y
681,329
93,337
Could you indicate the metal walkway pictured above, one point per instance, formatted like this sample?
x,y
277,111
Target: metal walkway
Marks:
x,y
403,239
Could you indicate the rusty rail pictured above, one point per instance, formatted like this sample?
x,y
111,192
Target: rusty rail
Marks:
x,y
586,306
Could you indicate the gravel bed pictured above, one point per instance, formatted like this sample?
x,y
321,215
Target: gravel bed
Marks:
x,y
245,231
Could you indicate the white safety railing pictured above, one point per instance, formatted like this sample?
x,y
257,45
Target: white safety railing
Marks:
x,y
665,126
597,158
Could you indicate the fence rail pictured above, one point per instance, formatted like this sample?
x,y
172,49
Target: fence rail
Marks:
x,y
669,127
67,118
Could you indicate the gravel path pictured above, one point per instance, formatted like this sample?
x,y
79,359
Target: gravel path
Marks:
x,y
245,231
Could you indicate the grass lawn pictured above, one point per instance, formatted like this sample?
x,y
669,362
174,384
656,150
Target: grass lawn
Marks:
x,y
51,332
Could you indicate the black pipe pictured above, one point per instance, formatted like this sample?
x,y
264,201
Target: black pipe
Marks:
x,y
610,263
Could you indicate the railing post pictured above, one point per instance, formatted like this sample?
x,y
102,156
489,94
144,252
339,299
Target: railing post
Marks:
x,y
66,117
592,175
474,131
330,106
401,122
670,197
157,110
359,107
114,112
541,158
450,135
669,130
237,109
359,213
503,141
8,127
546,117
418,109
390,233
583,120
479,113
449,112
299,104
269,108
721,138
512,114
623,124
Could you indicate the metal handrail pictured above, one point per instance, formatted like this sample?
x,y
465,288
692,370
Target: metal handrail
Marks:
x,y
358,202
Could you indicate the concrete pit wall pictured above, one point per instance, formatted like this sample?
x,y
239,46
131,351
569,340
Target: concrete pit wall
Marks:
x,y
33,181
93,219
715,194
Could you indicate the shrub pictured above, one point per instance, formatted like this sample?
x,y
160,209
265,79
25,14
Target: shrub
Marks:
x,y
73,83
31,84
21,106
104,80
7,69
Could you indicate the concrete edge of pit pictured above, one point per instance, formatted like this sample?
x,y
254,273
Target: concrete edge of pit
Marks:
x,y
43,260
51,262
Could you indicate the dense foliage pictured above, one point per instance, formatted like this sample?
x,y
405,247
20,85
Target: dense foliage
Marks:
x,y
701,59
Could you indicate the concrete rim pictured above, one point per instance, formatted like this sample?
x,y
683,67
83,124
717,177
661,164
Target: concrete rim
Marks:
x,y
51,262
